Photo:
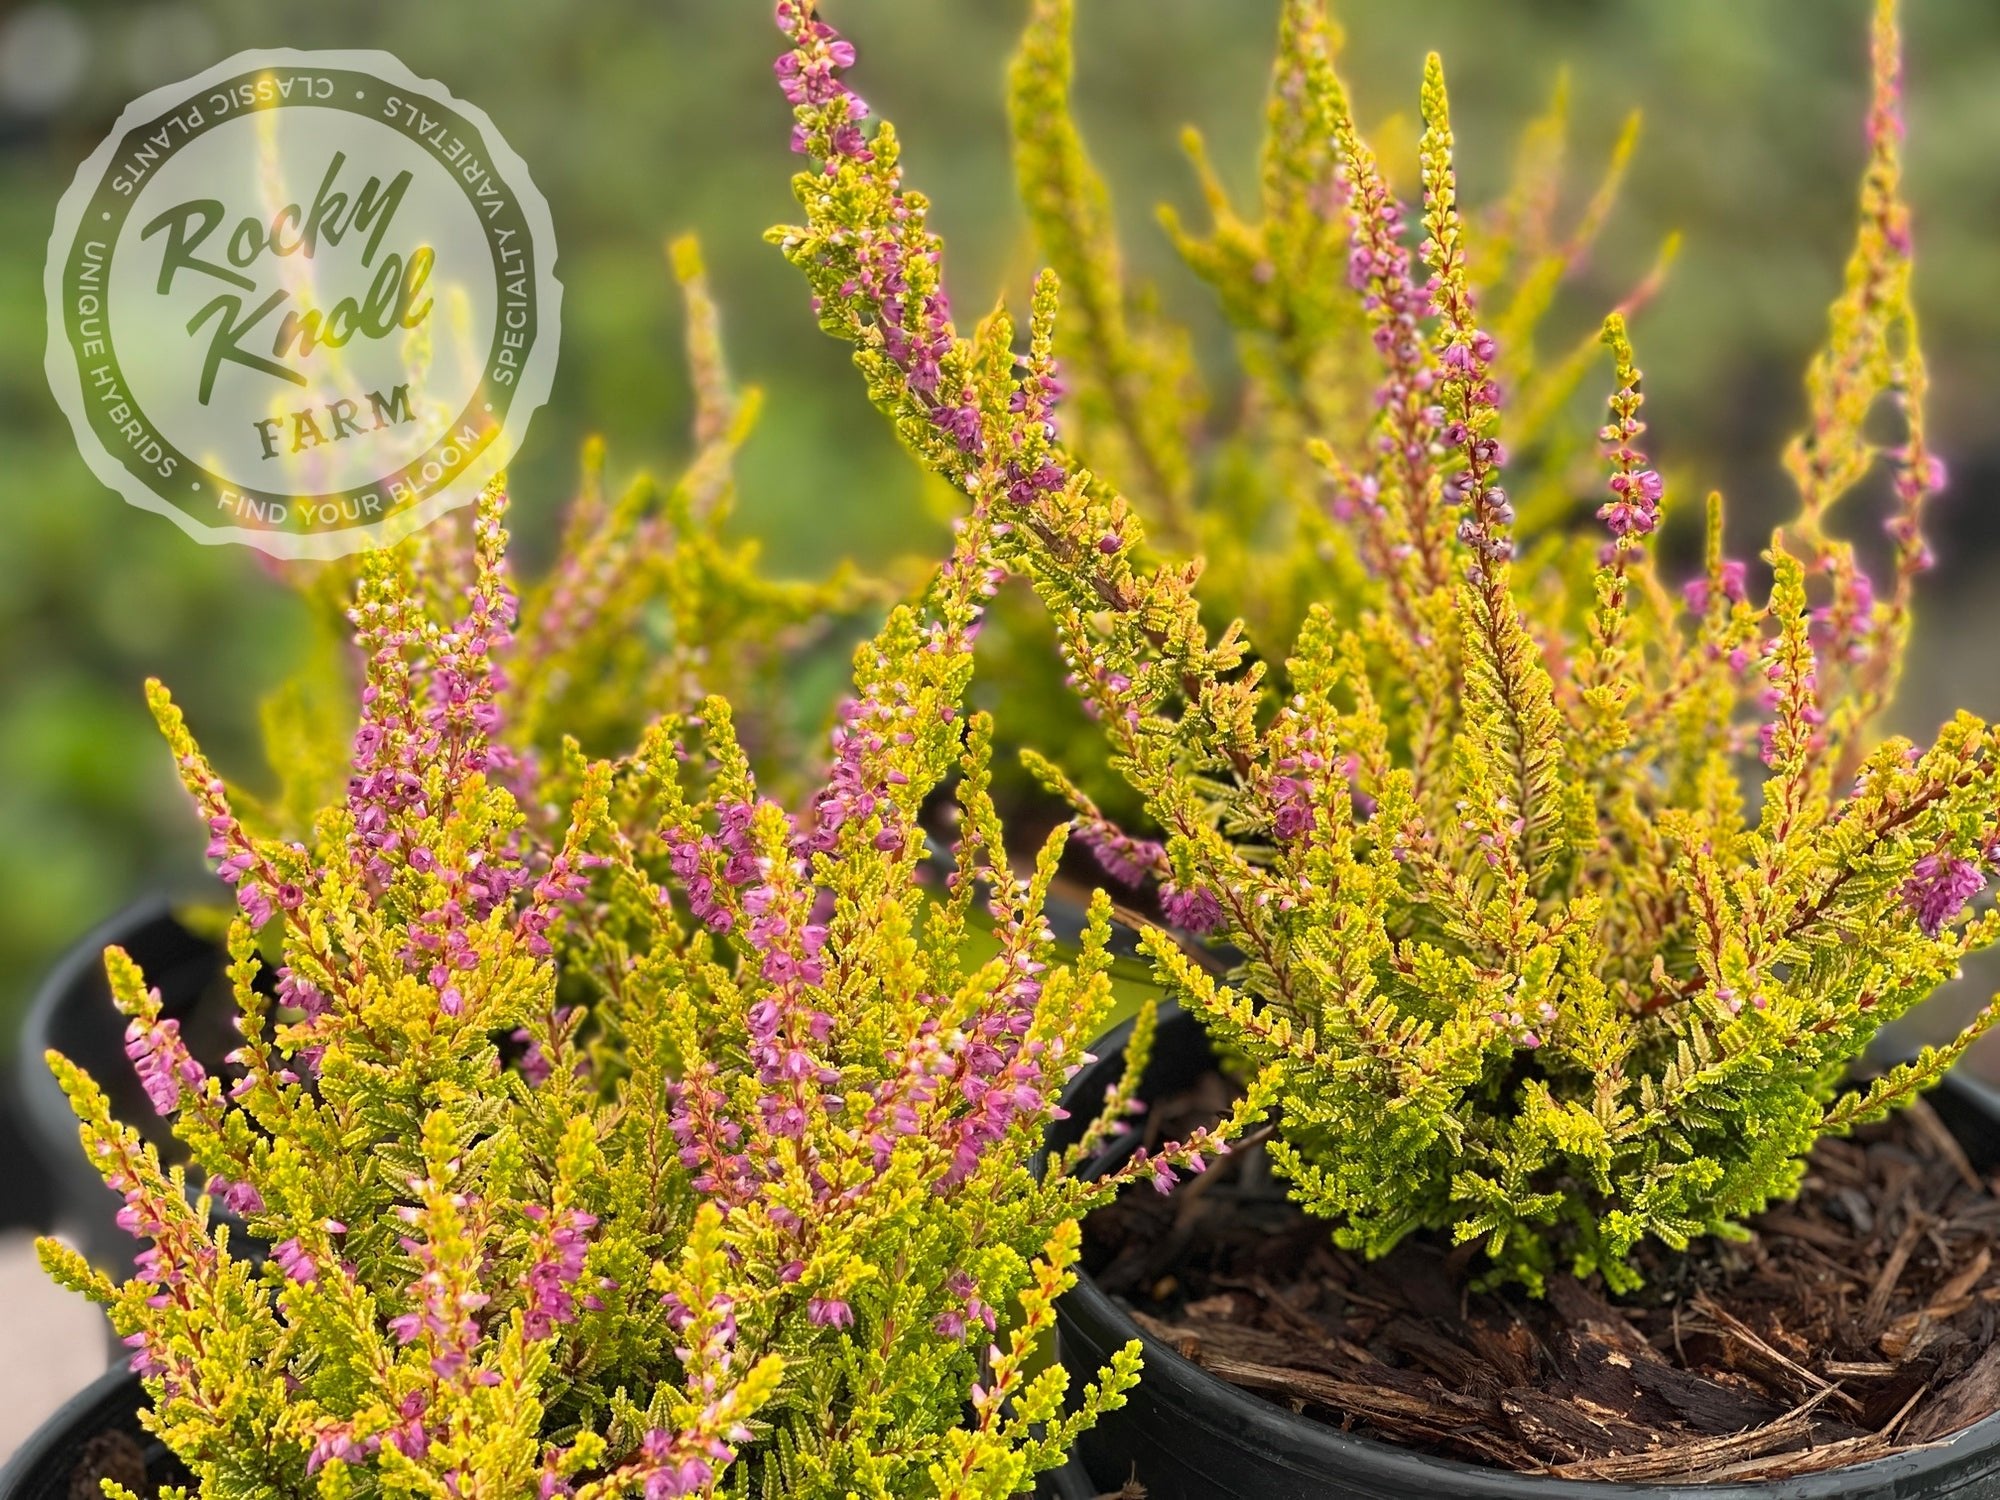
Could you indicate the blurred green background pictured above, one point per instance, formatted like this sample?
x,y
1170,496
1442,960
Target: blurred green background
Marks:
x,y
645,119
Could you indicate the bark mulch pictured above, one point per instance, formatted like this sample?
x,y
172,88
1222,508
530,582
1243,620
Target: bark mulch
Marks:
x,y
1860,1320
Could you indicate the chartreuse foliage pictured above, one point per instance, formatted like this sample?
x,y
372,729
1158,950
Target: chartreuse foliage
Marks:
x,y
1561,900
1257,507
1244,479
678,1151
648,607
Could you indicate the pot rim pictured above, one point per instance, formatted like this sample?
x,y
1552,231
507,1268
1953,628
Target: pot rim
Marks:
x,y
1334,1451
49,1441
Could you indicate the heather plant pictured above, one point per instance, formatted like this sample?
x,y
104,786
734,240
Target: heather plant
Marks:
x,y
1560,899
678,1149
648,607
1263,513
1231,476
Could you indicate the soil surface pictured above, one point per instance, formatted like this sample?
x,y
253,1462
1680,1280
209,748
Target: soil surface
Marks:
x,y
109,1455
1859,1320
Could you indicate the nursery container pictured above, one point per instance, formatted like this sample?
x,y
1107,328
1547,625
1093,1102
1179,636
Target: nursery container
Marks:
x,y
73,1013
101,1421
27,1196
1070,1482
1184,1434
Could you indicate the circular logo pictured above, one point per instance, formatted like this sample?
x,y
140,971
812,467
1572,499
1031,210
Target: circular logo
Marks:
x,y
305,300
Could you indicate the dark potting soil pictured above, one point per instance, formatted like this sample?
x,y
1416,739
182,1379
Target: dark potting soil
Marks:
x,y
108,1455
1859,1319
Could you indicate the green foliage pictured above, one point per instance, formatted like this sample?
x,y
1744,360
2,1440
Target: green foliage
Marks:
x,y
1560,907
674,1147
1255,496
649,607
1256,507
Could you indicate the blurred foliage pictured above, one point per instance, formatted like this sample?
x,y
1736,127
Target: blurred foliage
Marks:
x,y
640,120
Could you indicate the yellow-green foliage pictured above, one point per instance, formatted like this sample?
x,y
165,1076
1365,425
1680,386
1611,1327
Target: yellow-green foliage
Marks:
x,y
681,1149
1561,905
1247,495
1250,483
649,607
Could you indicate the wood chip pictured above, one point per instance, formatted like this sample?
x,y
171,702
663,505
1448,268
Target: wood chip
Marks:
x,y
1876,1311
1699,1459
1769,1359
1963,1402
1943,1141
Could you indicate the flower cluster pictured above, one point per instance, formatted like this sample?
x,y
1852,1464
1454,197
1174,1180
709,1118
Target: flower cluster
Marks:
x,y
1321,465
648,607
1940,887
836,1058
1544,953
679,1148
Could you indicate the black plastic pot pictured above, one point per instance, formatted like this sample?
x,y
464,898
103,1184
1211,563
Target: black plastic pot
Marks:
x,y
1186,1435
73,1013
108,1408
1067,1483
102,1418
27,1196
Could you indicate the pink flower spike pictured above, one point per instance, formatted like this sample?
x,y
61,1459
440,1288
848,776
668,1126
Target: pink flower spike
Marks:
x,y
1939,888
